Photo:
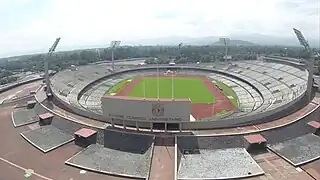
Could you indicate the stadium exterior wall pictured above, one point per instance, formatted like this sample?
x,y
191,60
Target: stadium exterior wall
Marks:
x,y
266,116
146,109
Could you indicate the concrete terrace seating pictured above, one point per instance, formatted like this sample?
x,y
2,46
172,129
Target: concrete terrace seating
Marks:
x,y
92,98
266,86
249,98
68,83
278,83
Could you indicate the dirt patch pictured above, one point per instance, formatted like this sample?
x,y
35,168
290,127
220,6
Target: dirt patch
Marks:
x,y
198,110
129,86
201,110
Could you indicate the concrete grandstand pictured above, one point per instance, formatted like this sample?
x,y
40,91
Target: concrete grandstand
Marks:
x,y
274,87
274,135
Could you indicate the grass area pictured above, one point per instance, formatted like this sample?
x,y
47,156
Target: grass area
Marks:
x,y
117,87
192,88
227,91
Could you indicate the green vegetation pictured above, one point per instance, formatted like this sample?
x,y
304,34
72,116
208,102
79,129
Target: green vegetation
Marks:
x,y
163,54
228,92
117,87
192,88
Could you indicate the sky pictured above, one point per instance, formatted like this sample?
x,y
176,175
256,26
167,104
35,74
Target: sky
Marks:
x,y
28,26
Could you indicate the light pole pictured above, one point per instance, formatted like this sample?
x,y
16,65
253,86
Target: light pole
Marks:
x,y
98,54
225,42
309,61
113,46
179,50
46,63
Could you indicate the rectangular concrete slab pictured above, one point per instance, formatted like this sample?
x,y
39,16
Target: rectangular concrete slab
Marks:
x,y
109,161
21,117
47,138
299,150
218,164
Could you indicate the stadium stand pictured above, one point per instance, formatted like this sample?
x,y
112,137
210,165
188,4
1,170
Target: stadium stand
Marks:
x,y
261,86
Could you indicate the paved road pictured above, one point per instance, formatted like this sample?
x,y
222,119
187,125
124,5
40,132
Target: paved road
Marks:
x,y
162,166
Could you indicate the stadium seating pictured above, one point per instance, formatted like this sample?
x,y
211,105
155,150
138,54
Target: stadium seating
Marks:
x,y
262,85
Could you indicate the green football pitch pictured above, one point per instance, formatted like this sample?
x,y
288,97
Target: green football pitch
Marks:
x,y
192,88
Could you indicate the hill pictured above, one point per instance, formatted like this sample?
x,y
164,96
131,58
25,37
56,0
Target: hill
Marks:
x,y
234,43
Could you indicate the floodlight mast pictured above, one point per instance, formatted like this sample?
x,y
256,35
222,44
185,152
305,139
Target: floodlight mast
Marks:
x,y
98,54
309,61
179,50
225,42
46,63
113,46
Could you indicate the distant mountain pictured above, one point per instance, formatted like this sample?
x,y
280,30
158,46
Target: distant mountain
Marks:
x,y
234,43
242,39
246,39
174,40
276,40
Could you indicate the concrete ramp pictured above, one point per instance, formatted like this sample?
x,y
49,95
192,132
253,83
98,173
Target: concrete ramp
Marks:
x,y
298,151
47,138
23,116
228,163
99,159
162,166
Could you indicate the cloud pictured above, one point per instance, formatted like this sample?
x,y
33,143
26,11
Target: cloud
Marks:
x,y
82,22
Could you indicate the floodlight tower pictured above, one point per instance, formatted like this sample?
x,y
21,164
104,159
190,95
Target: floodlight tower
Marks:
x,y
309,61
98,54
225,42
179,50
113,46
46,63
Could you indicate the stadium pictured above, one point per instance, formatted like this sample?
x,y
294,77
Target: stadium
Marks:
x,y
206,98
256,119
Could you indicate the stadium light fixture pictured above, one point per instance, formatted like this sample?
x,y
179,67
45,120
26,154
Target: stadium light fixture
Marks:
x,y
301,39
46,63
310,60
98,54
179,50
226,43
113,46
180,46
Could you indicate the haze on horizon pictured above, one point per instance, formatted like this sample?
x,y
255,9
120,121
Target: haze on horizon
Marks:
x,y
31,26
